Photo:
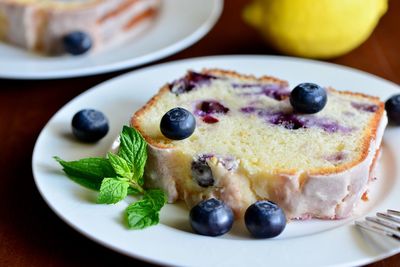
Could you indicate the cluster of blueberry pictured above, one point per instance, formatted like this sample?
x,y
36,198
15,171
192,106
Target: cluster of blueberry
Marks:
x,y
212,217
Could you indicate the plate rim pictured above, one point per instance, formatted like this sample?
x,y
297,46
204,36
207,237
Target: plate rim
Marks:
x,y
177,62
179,45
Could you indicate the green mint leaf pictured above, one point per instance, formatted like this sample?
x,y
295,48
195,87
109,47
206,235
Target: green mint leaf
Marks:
x,y
145,212
133,149
132,191
120,165
141,214
112,190
88,172
157,198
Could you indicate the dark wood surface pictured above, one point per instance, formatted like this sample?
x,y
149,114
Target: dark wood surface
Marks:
x,y
30,233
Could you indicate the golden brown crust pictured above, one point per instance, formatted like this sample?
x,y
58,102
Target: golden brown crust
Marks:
x,y
369,135
244,77
136,118
41,19
147,14
374,99
115,12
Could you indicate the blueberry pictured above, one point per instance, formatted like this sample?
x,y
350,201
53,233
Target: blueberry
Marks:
x,y
177,124
89,125
392,107
201,172
211,217
77,43
308,98
265,219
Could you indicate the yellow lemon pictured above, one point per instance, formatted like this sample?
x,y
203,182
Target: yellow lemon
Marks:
x,y
315,28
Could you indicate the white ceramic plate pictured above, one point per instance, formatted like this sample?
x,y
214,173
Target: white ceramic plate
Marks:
x,y
179,24
306,243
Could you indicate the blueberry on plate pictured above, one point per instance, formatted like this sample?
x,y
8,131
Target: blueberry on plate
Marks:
x,y
77,43
265,219
177,124
89,125
308,98
392,107
211,217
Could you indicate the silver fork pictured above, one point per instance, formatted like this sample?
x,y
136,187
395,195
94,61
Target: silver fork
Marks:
x,y
385,223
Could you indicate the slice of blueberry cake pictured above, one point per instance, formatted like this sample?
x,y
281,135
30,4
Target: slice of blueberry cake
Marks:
x,y
43,26
250,144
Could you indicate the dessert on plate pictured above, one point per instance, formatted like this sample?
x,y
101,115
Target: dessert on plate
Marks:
x,y
249,144
42,25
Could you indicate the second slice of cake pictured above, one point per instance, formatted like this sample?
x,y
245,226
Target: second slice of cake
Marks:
x,y
40,26
249,144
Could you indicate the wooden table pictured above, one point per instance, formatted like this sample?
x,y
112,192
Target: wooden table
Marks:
x,y
30,233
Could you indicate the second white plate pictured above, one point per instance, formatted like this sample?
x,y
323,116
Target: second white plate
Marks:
x,y
179,24
304,243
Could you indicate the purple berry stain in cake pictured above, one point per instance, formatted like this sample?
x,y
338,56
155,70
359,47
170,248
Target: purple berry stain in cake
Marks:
x,y
248,110
365,107
289,121
206,109
191,81
294,121
275,91
337,157
212,107
348,114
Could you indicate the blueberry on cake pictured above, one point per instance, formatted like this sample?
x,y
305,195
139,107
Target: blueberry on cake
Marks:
x,y
44,25
250,144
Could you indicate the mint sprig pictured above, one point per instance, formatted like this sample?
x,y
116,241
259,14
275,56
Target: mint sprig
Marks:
x,y
120,166
119,175
133,149
145,212
112,190
88,172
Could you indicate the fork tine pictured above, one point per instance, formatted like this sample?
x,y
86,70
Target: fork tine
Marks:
x,y
388,217
377,230
394,212
384,223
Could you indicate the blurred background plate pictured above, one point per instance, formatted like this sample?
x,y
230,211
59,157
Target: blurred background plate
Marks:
x,y
179,24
